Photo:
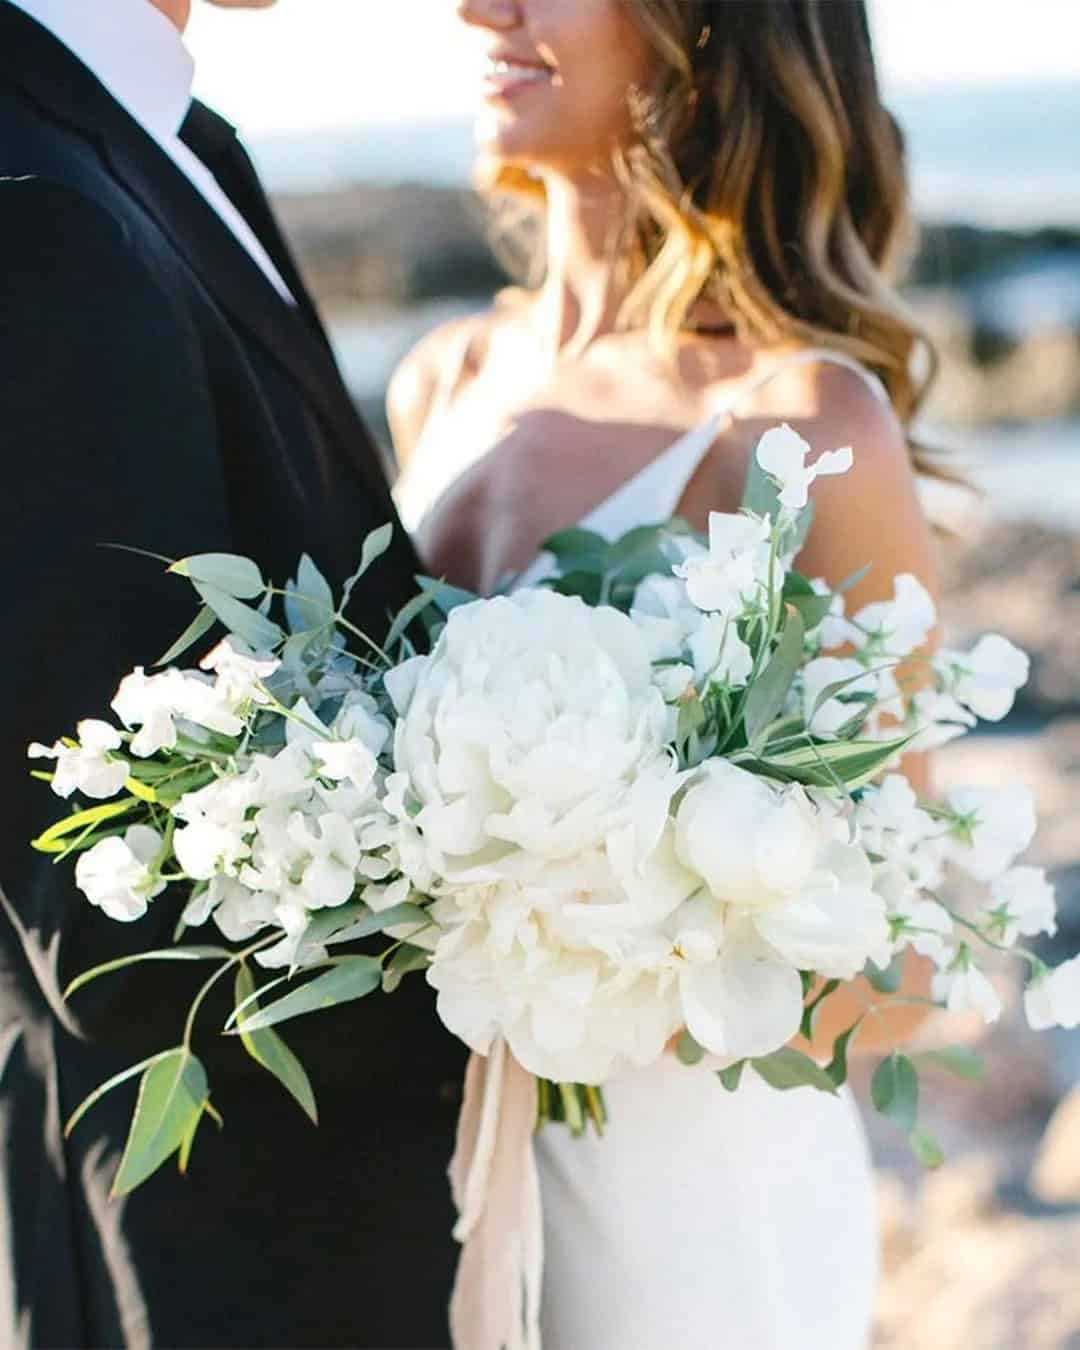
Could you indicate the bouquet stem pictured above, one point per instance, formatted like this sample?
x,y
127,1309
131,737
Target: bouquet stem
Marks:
x,y
575,1105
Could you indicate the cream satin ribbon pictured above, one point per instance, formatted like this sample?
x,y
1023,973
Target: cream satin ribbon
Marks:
x,y
496,1188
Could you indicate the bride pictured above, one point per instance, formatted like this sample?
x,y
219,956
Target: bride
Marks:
x,y
721,196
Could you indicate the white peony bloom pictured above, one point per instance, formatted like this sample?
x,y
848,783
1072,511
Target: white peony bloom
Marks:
x,y
89,767
734,574
992,827
782,895
240,672
1052,999
963,987
899,626
525,733
782,453
986,678
116,873
1022,904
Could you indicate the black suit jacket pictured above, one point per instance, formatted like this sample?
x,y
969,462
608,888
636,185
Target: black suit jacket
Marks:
x,y
156,391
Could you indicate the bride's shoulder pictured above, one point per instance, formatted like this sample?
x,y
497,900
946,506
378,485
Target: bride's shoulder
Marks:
x,y
437,368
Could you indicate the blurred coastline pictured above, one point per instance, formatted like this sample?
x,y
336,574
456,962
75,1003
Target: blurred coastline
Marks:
x,y
393,244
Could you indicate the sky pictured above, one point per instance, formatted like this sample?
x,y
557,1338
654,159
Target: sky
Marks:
x,y
320,63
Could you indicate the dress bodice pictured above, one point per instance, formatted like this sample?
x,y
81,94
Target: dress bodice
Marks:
x,y
653,494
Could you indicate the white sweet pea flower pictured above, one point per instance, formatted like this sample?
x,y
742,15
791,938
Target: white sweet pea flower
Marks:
x,y
834,630
839,709
240,672
1021,904
155,703
986,678
719,655
1052,999
291,952
963,987
663,615
674,682
939,717
331,857
89,767
899,626
991,827
735,572
925,926
782,453
215,836
116,873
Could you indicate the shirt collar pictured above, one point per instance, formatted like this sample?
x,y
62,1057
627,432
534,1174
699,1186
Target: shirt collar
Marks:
x,y
132,48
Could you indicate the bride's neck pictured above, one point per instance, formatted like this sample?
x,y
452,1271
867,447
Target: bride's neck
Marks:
x,y
581,295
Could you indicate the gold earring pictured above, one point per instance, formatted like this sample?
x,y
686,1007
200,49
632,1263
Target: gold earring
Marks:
x,y
704,37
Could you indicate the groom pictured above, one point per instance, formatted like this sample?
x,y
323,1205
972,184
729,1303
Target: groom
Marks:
x,y
165,383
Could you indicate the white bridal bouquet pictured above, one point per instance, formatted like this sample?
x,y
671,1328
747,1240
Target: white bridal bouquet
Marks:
x,y
651,803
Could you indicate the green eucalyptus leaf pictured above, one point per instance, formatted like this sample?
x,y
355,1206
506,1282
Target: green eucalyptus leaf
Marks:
x,y
403,962
732,1075
577,549
172,1095
350,978
447,597
957,1059
203,621
410,612
268,1049
588,586
887,979
375,545
246,623
117,1079
354,921
812,609
688,1050
926,1147
837,1067
228,572
853,579
165,954
309,601
787,1068
894,1090
769,691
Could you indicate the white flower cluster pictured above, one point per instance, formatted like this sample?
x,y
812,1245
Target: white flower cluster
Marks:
x,y
593,898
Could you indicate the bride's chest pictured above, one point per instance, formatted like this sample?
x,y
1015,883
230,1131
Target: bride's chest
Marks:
x,y
489,482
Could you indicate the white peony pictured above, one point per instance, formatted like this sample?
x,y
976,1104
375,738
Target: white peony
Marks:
x,y
782,453
986,678
1052,999
116,873
521,737
90,767
734,574
781,895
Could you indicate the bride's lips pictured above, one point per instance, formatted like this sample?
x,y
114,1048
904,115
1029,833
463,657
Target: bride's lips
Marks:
x,y
507,77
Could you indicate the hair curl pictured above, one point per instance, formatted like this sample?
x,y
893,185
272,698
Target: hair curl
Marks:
x,y
767,175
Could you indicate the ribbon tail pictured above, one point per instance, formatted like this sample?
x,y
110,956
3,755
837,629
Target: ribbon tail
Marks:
x,y
496,1187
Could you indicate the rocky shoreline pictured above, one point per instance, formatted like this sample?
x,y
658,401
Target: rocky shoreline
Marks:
x,y
1003,307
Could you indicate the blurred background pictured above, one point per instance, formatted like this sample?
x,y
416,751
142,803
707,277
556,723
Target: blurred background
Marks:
x,y
359,114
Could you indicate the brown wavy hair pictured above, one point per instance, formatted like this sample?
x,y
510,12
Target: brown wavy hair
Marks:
x,y
767,175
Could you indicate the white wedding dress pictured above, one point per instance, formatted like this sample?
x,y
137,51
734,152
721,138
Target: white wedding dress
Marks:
x,y
703,1220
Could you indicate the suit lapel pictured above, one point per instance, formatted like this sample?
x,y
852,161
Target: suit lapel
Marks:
x,y
35,61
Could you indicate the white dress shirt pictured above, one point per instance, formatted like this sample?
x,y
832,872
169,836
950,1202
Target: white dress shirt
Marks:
x,y
140,58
